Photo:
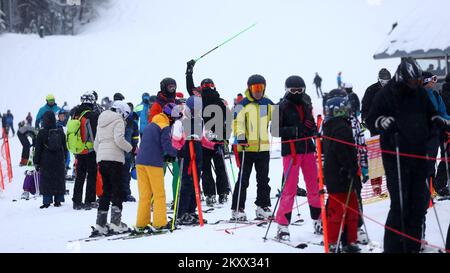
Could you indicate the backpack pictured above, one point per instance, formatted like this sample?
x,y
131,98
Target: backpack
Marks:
x,y
75,142
54,140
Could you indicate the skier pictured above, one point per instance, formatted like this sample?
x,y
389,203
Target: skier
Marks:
x,y
142,111
10,122
61,122
340,174
186,130
167,94
49,106
29,119
252,117
339,79
440,184
318,83
296,121
384,76
156,145
238,99
214,110
353,99
132,136
403,113
110,146
24,132
49,160
86,166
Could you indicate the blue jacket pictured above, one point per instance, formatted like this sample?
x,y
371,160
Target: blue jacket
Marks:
x,y
131,133
55,108
438,103
142,111
156,142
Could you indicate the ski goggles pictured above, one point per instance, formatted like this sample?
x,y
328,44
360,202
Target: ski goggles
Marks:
x,y
257,88
171,88
433,79
208,85
296,90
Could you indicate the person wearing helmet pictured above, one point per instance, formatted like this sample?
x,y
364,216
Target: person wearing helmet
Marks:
x,y
402,113
132,136
167,94
110,145
384,76
215,120
142,111
86,165
296,121
251,129
155,148
340,174
49,106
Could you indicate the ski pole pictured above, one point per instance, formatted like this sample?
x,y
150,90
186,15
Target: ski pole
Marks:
x,y
283,180
341,227
446,165
436,214
226,41
400,189
177,196
240,184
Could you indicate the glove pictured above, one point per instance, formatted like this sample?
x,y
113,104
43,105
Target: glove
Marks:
x,y
190,67
169,159
440,121
385,123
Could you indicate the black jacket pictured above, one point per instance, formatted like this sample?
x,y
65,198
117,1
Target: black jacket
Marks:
x,y
354,103
368,99
296,121
341,160
317,81
445,94
412,111
210,97
51,163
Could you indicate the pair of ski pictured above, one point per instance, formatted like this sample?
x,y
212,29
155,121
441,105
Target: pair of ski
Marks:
x,y
257,222
130,234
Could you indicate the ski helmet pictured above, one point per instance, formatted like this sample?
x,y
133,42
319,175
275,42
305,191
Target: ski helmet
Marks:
x,y
168,86
118,96
207,84
256,79
408,70
337,107
146,97
88,97
50,97
121,107
295,85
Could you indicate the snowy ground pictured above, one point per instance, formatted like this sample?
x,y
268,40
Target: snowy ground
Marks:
x,y
30,229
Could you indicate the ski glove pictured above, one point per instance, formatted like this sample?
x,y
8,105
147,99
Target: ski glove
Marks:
x,y
440,122
190,67
385,123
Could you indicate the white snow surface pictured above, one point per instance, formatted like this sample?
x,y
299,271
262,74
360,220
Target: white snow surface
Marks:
x,y
420,29
135,44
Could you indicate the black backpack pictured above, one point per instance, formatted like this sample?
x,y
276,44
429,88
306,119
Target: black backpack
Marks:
x,y
54,140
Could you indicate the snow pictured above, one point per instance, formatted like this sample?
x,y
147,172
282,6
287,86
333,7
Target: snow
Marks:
x,y
134,45
423,29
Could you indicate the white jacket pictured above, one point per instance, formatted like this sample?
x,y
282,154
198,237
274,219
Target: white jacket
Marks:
x,y
110,143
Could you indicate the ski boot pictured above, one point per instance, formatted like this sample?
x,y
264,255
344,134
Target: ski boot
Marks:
x,y
223,198
283,233
318,228
351,248
263,213
25,195
45,206
130,198
78,206
187,219
362,237
101,229
57,204
210,200
238,215
116,225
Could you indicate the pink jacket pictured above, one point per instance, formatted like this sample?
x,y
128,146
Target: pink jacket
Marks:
x,y
179,137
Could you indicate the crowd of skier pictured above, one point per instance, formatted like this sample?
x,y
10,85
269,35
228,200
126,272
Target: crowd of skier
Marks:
x,y
114,141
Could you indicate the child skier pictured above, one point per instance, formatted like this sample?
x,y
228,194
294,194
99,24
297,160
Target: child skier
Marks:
x,y
341,174
49,160
186,130
155,146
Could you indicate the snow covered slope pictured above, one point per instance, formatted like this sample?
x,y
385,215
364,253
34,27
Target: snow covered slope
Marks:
x,y
136,43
